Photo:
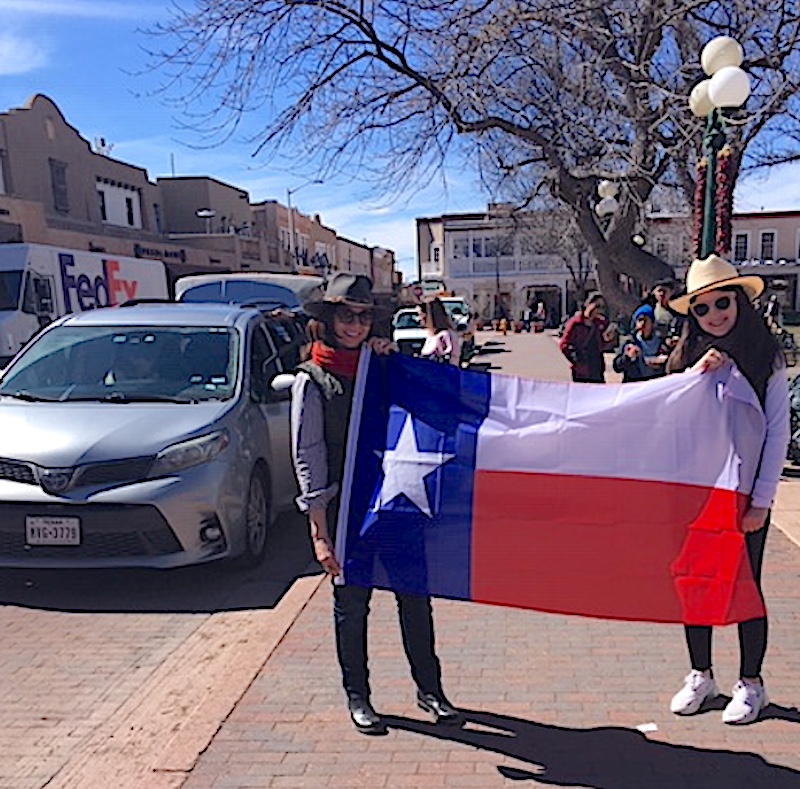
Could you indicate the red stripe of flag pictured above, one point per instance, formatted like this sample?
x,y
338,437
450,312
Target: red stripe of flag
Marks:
x,y
611,548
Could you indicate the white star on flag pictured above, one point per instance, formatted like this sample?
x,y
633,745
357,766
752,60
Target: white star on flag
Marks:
x,y
405,469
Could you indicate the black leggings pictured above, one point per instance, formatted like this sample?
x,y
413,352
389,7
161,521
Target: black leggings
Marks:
x,y
752,634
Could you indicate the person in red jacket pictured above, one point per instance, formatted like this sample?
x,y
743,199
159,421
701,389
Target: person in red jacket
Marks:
x,y
586,336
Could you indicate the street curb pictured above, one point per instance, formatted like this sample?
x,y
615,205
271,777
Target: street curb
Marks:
x,y
194,736
155,738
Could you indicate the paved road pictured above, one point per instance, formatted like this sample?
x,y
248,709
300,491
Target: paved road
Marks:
x,y
82,652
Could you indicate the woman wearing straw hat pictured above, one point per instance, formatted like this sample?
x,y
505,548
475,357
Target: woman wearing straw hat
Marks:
x,y
321,400
722,325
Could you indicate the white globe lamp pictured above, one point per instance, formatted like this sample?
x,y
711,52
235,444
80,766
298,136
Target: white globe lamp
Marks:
x,y
729,87
607,206
699,102
607,189
719,53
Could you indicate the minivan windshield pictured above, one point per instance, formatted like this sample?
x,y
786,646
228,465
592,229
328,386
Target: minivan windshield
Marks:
x,y
126,363
10,282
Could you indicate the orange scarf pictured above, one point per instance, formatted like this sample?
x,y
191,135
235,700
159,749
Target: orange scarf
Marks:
x,y
341,362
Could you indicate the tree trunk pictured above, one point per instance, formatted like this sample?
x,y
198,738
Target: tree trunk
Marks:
x,y
616,254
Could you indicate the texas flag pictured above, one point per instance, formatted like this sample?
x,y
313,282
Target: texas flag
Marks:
x,y
614,501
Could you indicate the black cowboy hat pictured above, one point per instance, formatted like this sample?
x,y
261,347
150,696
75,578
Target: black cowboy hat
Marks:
x,y
351,290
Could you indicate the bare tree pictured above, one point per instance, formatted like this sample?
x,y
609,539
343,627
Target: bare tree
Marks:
x,y
548,96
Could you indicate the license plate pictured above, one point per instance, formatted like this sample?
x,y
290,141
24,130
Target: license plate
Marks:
x,y
47,530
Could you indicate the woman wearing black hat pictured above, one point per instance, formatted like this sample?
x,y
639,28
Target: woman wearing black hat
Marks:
x,y
322,396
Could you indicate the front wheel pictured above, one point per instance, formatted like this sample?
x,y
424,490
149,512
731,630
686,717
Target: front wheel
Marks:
x,y
256,521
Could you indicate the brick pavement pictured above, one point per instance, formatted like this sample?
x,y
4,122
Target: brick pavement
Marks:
x,y
552,700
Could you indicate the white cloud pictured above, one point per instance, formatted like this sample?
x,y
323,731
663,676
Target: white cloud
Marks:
x,y
19,55
77,8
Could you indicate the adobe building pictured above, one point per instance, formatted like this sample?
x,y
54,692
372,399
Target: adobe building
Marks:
x,y
56,190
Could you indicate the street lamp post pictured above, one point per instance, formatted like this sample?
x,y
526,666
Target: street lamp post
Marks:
x,y
207,214
292,245
607,205
728,86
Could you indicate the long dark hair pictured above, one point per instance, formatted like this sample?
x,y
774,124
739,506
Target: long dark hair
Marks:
x,y
749,343
437,314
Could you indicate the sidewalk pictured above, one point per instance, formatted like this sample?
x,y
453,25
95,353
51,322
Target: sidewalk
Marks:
x,y
551,700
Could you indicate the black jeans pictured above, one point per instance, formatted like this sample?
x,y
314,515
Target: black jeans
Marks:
x,y
752,634
350,609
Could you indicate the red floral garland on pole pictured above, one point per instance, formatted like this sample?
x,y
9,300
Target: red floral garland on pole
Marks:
x,y
699,191
724,199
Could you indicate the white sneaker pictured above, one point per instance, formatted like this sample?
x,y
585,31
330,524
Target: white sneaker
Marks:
x,y
698,687
749,698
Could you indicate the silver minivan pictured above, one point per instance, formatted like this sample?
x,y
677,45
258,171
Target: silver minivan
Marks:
x,y
145,435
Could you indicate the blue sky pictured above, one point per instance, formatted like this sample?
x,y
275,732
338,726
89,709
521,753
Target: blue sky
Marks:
x,y
86,54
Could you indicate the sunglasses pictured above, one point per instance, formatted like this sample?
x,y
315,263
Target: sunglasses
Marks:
x,y
365,318
721,304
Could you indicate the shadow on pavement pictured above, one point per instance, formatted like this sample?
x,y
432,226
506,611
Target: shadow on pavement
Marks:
x,y
219,586
605,758
484,351
776,712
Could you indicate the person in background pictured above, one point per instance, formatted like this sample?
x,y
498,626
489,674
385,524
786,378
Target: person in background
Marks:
x,y
646,354
666,324
722,325
586,336
772,314
442,343
321,399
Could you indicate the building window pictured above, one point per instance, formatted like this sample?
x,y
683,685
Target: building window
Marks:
x,y
129,210
477,247
768,245
101,197
58,182
461,247
662,249
436,254
159,220
740,247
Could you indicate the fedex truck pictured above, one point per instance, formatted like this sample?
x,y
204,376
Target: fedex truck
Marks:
x,y
41,283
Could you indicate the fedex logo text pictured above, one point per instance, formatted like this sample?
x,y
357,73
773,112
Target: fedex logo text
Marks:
x,y
104,290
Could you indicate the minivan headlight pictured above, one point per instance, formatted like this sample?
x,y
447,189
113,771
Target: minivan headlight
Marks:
x,y
189,453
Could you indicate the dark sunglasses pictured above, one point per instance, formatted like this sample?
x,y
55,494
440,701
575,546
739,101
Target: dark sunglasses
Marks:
x,y
365,318
721,304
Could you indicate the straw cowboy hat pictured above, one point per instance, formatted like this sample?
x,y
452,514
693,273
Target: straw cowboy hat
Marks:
x,y
351,290
712,273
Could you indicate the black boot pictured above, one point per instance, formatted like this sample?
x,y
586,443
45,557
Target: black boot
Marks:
x,y
442,710
364,717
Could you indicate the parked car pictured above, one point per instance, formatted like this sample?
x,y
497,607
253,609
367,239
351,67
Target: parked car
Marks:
x,y
146,436
245,287
407,331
